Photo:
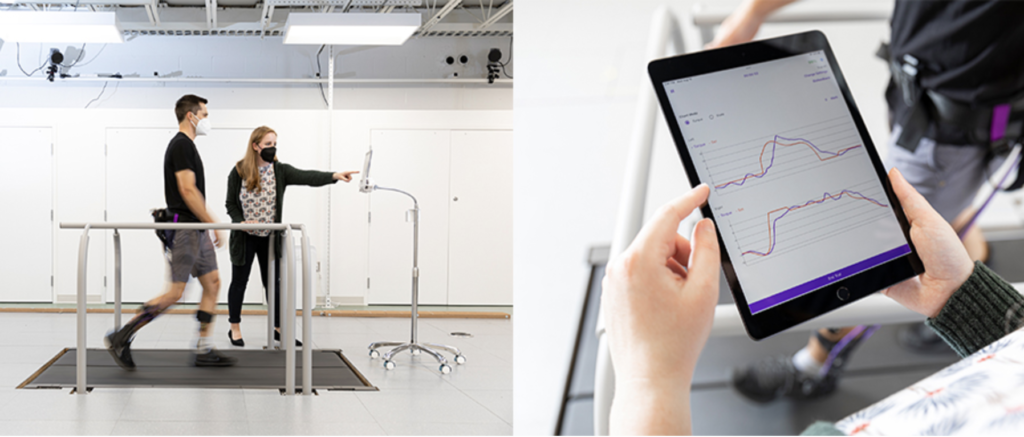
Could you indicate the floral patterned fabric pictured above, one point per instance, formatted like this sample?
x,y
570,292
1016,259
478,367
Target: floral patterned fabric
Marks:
x,y
260,206
982,394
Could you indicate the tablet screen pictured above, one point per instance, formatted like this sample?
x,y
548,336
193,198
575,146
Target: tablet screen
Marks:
x,y
797,200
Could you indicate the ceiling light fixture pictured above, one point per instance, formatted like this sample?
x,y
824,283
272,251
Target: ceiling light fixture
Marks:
x,y
350,28
60,27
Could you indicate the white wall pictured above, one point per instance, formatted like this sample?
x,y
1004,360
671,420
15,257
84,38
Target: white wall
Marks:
x,y
580,71
296,111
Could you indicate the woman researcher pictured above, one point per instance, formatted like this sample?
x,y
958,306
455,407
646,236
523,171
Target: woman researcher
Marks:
x,y
256,195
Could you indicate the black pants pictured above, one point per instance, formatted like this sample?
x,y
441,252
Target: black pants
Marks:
x,y
254,247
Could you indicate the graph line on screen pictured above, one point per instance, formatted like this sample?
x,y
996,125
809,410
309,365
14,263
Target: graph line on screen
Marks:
x,y
773,223
792,142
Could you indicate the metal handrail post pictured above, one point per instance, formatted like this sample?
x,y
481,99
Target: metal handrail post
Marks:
x,y
80,360
631,204
271,290
288,322
117,280
415,268
307,316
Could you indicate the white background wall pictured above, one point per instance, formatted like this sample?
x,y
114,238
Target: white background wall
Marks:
x,y
297,112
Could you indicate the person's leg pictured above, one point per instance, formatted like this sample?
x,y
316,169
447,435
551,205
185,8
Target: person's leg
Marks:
x,y
236,291
206,270
277,294
207,305
182,257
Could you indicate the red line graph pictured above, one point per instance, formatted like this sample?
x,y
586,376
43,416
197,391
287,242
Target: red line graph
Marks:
x,y
772,224
775,141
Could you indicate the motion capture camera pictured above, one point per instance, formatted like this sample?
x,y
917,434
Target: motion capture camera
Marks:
x,y
494,56
493,65
55,60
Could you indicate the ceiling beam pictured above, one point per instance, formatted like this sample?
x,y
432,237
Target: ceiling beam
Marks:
x,y
448,7
498,15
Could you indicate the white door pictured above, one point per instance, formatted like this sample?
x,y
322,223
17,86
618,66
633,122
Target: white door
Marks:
x,y
480,217
135,184
415,161
27,196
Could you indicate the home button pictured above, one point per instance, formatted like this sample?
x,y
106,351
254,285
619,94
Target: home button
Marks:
x,y
843,293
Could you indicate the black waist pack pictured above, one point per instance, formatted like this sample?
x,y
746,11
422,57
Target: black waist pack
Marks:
x,y
166,236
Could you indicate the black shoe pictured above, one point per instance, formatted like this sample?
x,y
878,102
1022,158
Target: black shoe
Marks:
x,y
919,338
214,359
120,348
771,378
239,342
277,336
774,377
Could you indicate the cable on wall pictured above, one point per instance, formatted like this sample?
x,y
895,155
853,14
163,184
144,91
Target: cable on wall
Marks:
x,y
318,74
18,58
509,59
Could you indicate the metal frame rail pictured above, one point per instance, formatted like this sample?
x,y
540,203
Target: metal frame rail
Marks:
x,y
687,35
288,279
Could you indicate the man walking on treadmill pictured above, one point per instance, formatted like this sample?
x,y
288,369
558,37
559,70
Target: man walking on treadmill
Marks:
x,y
190,252
956,106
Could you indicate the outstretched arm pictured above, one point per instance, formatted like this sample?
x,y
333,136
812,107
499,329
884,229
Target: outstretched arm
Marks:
x,y
741,26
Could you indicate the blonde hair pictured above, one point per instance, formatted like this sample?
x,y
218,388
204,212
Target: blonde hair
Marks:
x,y
247,168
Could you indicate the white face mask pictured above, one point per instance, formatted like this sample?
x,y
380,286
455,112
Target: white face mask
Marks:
x,y
203,127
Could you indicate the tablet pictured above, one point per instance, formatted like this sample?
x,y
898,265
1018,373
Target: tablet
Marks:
x,y
805,214
365,186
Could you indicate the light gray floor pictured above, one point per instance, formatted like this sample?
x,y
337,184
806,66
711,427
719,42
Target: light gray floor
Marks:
x,y
414,399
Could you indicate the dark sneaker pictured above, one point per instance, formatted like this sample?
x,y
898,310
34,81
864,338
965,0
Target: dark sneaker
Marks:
x,y
120,348
214,359
774,377
919,338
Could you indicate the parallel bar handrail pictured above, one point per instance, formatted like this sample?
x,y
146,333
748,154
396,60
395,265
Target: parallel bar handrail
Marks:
x,y
288,334
180,226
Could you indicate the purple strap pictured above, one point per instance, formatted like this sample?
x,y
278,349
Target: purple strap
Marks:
x,y
838,348
1000,117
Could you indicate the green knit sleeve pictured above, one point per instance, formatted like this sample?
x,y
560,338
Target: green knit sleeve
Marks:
x,y
983,310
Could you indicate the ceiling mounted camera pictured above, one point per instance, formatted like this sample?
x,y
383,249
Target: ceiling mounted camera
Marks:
x,y
55,60
494,55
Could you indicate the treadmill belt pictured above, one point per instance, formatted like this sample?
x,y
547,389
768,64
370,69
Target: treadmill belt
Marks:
x,y
173,369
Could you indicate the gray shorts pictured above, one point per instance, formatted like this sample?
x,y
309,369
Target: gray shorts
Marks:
x,y
948,176
193,255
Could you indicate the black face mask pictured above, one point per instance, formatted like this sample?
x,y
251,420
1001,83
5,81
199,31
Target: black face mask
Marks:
x,y
268,154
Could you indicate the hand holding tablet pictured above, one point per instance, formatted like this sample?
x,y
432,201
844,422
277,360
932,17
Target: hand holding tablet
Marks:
x,y
806,218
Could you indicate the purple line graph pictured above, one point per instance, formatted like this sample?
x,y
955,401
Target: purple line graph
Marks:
x,y
773,224
775,143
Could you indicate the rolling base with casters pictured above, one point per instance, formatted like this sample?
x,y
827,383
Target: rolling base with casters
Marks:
x,y
412,346
415,349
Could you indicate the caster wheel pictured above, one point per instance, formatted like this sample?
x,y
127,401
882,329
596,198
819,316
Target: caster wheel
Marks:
x,y
389,365
460,359
445,369
374,353
414,352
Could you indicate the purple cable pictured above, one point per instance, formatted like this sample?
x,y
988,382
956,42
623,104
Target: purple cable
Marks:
x,y
867,330
967,227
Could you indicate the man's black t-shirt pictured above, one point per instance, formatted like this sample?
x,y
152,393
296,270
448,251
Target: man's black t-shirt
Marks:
x,y
970,51
182,155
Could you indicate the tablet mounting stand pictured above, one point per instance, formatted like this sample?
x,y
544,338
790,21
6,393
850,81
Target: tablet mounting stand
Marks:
x,y
413,346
